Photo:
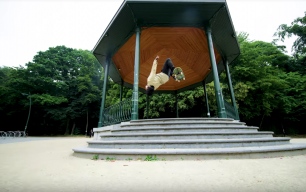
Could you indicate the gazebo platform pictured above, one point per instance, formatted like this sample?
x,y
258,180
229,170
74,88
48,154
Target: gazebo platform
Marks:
x,y
187,138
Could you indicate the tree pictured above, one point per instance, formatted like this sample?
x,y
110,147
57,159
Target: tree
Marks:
x,y
257,68
64,83
298,28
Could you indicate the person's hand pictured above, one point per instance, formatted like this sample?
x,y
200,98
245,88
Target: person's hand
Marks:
x,y
157,57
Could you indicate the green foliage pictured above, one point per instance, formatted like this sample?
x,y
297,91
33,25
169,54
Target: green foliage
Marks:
x,y
46,99
151,158
255,78
297,28
128,159
77,131
110,159
291,101
64,84
95,157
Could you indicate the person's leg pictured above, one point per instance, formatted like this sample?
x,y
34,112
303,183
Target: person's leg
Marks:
x,y
168,67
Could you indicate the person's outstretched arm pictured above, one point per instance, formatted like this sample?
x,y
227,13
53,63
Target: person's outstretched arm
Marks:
x,y
153,70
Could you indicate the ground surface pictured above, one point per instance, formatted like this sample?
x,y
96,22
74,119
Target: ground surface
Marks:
x,y
47,164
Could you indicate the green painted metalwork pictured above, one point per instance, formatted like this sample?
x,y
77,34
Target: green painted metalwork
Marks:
x,y
101,120
231,89
148,106
123,24
121,87
206,98
219,97
118,113
135,115
3,134
230,110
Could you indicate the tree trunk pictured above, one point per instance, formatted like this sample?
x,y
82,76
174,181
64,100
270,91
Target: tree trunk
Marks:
x,y
283,129
67,127
261,120
86,125
73,128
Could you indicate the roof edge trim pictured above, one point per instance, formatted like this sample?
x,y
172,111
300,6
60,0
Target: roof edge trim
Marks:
x,y
230,18
176,1
110,23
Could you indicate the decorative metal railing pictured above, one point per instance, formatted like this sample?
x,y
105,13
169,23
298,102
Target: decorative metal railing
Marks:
x,y
118,113
230,110
12,134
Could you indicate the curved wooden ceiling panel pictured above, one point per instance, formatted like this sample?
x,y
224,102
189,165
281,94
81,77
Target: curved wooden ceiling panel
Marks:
x,y
186,46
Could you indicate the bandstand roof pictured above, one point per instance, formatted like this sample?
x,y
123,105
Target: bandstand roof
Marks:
x,y
171,29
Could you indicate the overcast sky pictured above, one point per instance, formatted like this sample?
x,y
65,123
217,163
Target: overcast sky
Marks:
x,y
29,26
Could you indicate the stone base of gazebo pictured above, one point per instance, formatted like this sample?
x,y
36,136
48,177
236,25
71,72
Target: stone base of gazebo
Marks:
x,y
186,138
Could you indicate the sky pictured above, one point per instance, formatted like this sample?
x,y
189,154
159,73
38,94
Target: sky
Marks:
x,y
30,26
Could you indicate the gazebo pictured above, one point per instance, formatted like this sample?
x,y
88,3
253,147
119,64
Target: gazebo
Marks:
x,y
198,36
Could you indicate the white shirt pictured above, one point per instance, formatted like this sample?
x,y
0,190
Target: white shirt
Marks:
x,y
157,80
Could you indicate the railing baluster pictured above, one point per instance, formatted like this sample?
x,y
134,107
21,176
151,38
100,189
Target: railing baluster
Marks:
x,y
118,112
230,110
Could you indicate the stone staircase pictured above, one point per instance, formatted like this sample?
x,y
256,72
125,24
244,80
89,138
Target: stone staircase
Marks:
x,y
187,138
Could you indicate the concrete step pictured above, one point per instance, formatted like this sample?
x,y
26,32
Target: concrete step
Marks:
x,y
180,119
184,124
199,129
194,153
176,144
185,135
188,138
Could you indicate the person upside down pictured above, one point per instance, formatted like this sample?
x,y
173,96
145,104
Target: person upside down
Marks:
x,y
156,80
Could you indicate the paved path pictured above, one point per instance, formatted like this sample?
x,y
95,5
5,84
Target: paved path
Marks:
x,y
27,139
48,165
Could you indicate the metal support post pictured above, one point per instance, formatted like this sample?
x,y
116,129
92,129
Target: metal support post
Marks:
x,y
107,63
136,76
206,98
121,88
148,106
176,103
231,88
218,91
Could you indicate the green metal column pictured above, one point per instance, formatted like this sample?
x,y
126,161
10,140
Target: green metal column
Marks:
x,y
148,106
231,88
176,103
107,63
136,76
120,108
121,87
219,97
206,98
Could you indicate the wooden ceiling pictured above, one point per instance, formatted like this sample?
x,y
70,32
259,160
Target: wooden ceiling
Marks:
x,y
186,46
